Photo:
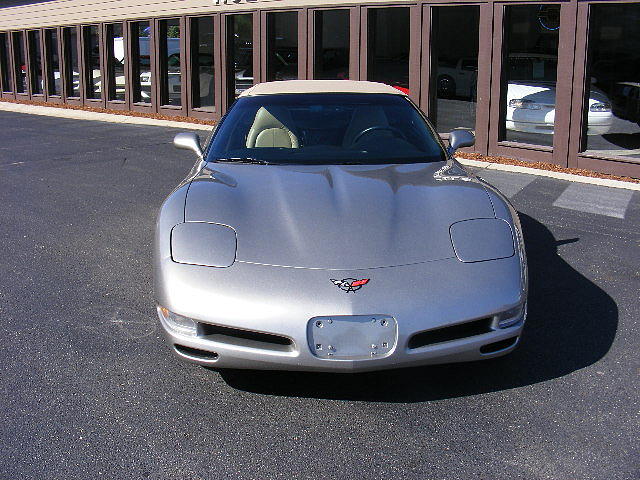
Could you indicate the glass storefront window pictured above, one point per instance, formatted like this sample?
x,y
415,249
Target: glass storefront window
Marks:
x,y
611,121
72,68
454,64
116,58
170,71
530,61
35,59
92,59
7,84
239,54
203,86
388,46
282,46
19,62
53,61
141,62
331,45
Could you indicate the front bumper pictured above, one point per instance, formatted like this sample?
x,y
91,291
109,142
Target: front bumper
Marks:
x,y
271,301
225,355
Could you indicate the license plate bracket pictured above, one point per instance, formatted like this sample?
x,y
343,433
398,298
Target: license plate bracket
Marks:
x,y
352,337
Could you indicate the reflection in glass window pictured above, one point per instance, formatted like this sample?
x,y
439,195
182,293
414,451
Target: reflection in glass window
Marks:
x,y
454,62
202,89
72,69
52,61
331,45
35,57
282,46
239,54
116,62
92,59
388,34
141,62
530,60
170,73
19,62
612,98
7,84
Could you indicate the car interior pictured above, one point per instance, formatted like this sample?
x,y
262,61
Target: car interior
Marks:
x,y
346,129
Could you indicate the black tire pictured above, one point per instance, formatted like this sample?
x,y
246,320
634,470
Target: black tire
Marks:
x,y
446,86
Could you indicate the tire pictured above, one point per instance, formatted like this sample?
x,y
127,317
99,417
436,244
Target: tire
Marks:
x,y
446,86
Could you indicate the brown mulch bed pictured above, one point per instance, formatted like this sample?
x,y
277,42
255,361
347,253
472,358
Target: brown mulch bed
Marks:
x,y
544,166
128,113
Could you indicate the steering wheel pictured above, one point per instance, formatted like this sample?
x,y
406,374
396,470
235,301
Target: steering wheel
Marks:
x,y
378,127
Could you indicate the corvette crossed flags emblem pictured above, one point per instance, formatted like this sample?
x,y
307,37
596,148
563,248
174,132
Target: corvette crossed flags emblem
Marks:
x,y
350,284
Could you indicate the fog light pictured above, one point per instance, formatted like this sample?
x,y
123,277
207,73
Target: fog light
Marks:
x,y
512,316
178,323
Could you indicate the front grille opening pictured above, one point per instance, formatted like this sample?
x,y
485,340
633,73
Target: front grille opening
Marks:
x,y
245,338
454,332
497,346
196,353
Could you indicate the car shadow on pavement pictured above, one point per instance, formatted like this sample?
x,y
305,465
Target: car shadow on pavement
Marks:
x,y
571,325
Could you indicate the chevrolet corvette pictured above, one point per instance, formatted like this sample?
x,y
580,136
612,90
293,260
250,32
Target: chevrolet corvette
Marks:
x,y
326,227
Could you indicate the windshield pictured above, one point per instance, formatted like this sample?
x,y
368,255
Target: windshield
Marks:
x,y
329,129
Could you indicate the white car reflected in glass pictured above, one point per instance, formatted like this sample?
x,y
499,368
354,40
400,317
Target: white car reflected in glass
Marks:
x,y
531,107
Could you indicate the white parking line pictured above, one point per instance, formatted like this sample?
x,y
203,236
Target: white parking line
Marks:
x,y
612,202
508,183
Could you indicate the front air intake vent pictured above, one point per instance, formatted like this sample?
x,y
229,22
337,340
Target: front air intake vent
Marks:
x,y
454,332
245,338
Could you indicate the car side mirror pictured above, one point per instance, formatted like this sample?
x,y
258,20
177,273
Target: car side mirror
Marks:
x,y
459,139
188,141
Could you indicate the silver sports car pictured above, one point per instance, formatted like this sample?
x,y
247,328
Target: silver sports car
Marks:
x,y
326,227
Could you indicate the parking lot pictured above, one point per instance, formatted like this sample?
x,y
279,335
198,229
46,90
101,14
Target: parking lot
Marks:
x,y
90,390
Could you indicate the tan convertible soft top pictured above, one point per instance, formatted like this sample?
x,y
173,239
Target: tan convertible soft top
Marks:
x,y
319,86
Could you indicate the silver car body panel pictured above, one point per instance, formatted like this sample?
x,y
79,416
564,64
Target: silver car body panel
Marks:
x,y
300,227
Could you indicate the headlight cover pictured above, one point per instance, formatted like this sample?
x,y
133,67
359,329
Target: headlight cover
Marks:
x,y
600,107
524,103
179,324
482,239
205,244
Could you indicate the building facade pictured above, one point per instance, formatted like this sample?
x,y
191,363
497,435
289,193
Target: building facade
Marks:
x,y
556,82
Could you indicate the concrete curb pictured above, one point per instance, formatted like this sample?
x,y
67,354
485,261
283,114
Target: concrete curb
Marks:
x,y
97,116
605,182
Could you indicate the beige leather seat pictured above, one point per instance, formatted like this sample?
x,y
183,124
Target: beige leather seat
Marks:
x,y
268,131
364,117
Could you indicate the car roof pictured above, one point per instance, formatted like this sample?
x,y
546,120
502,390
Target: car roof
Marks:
x,y
319,86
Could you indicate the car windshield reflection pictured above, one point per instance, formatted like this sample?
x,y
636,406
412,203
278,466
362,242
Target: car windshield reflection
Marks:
x,y
327,129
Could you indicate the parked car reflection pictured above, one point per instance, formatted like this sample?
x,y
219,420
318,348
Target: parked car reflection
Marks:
x,y
531,107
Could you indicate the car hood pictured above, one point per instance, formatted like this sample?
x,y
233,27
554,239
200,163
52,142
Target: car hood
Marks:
x,y
545,92
337,217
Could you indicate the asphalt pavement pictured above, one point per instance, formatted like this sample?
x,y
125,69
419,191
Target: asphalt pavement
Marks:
x,y
89,389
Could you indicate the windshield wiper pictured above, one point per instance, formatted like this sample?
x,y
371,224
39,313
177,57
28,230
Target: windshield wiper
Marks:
x,y
242,160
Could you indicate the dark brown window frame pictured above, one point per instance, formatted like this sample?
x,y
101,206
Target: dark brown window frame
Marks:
x,y
8,66
132,53
107,61
85,65
483,78
165,109
415,25
302,40
354,39
17,69
67,69
577,156
192,110
48,71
